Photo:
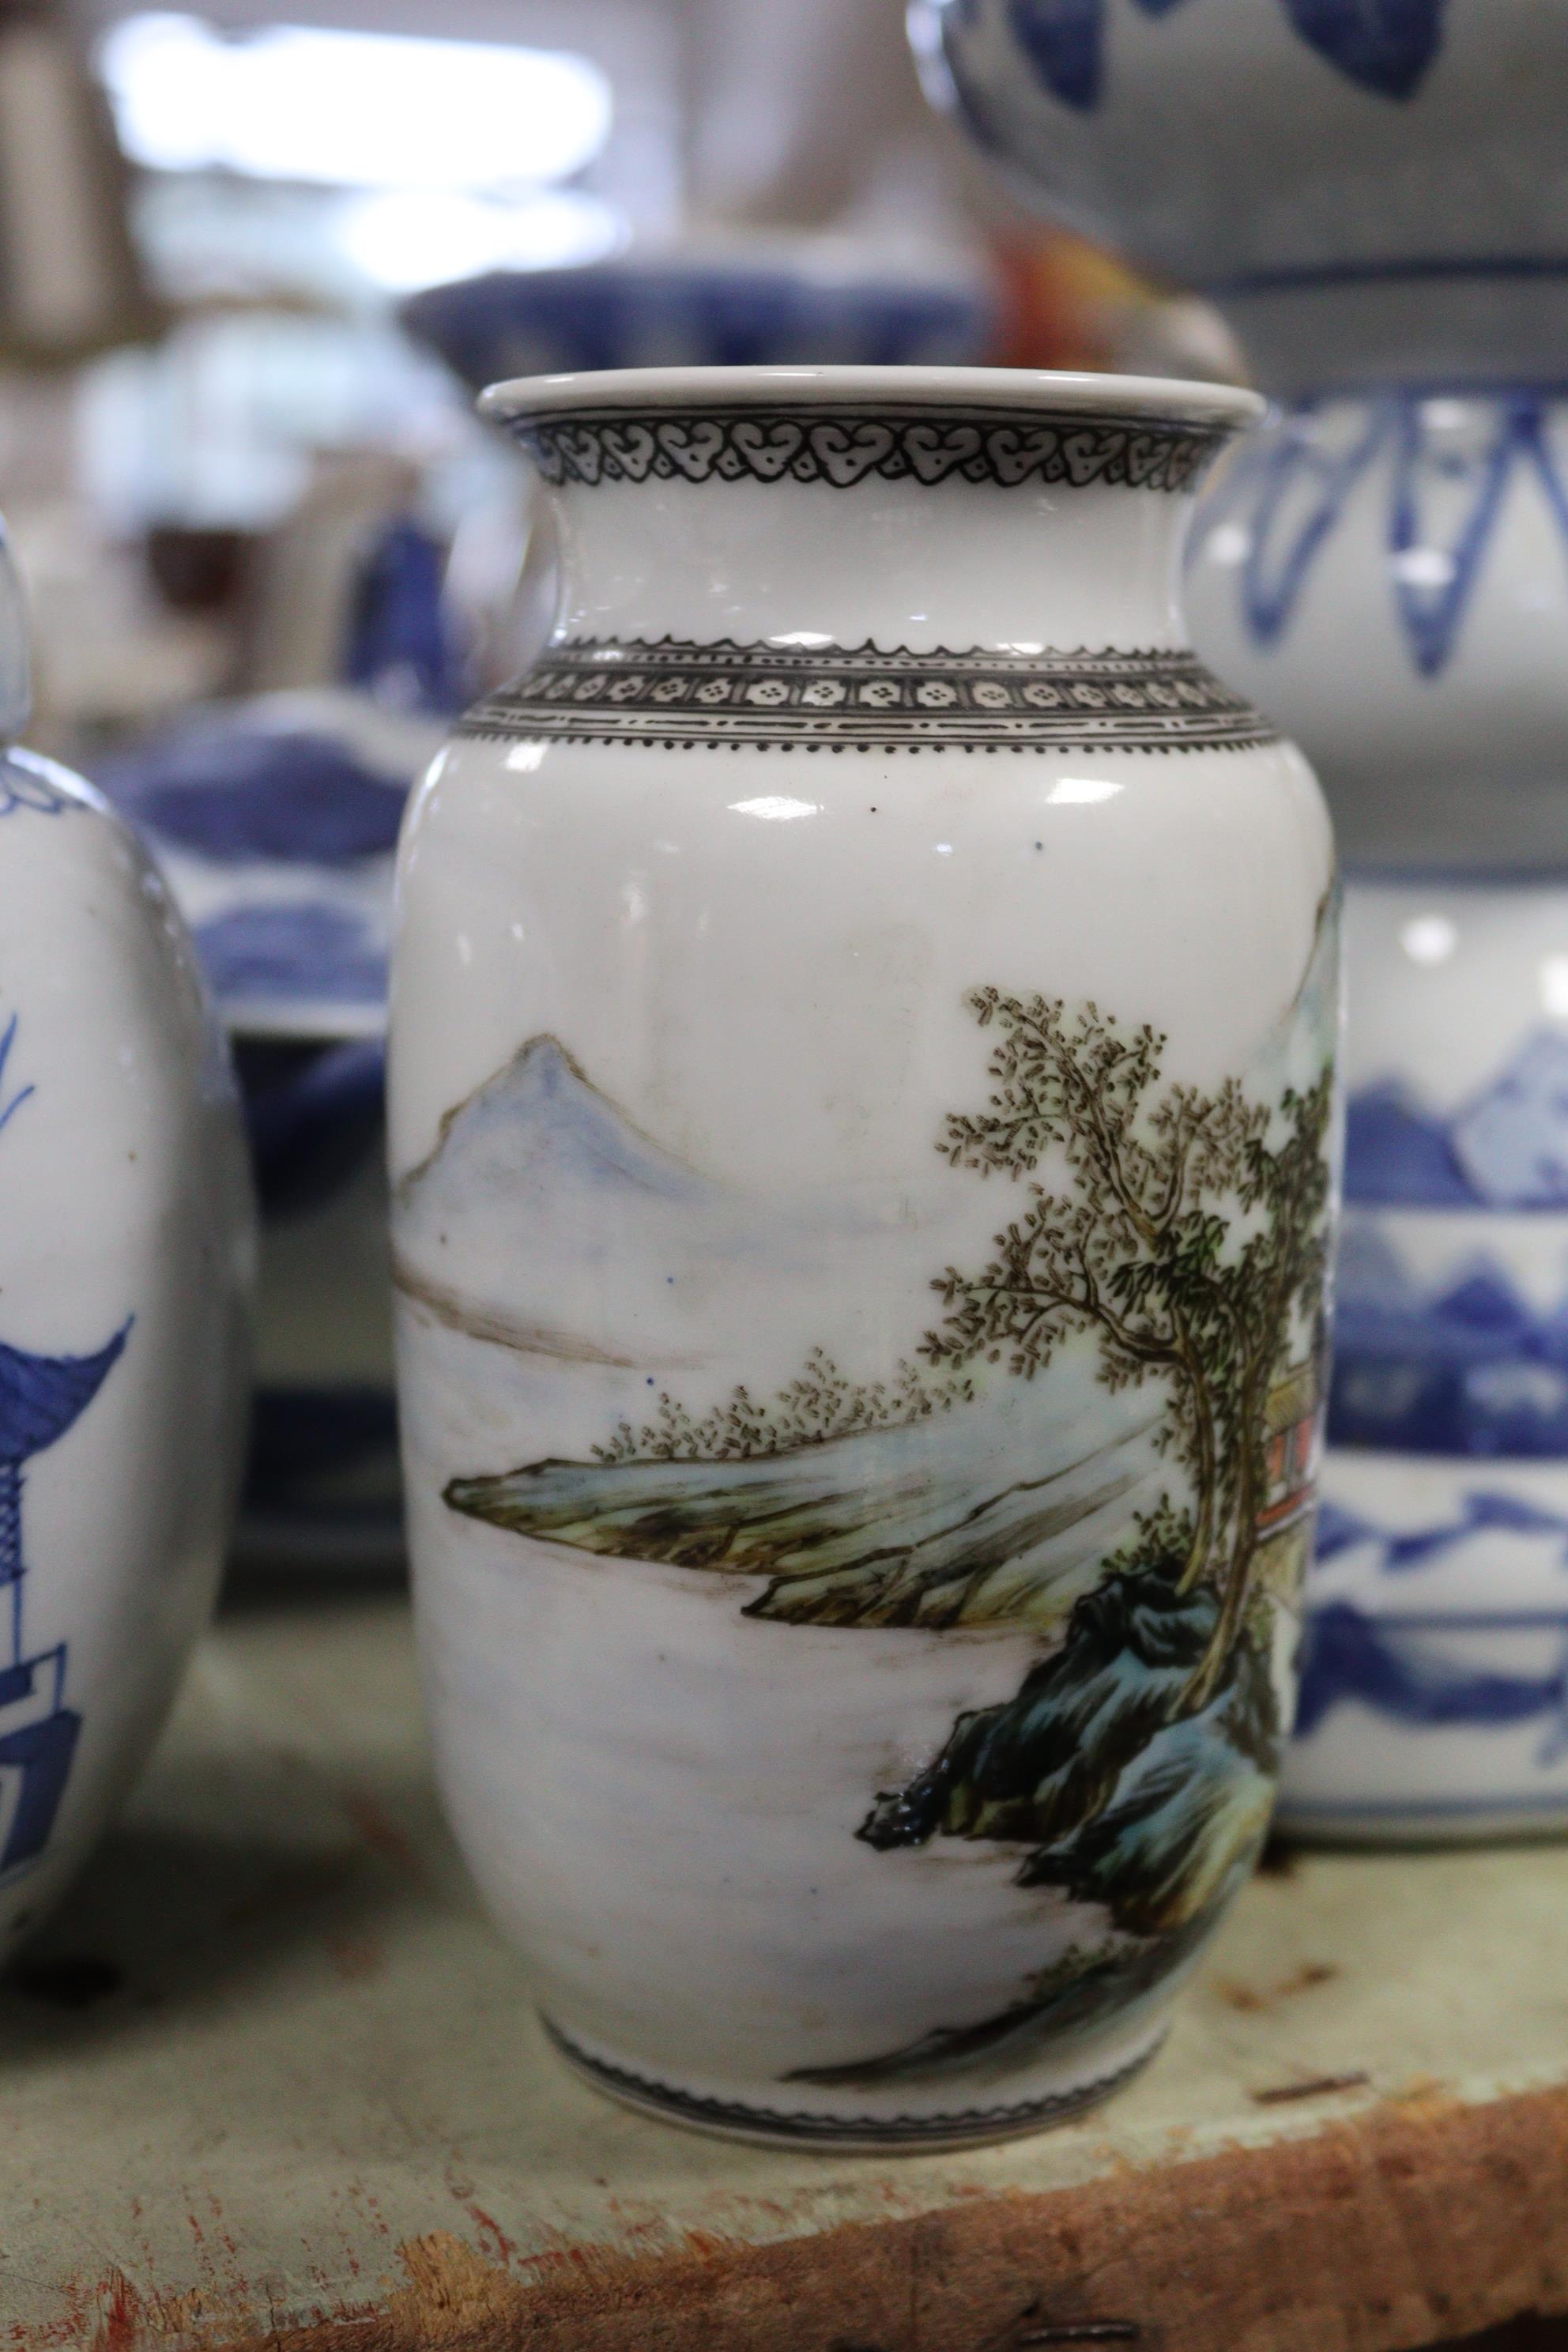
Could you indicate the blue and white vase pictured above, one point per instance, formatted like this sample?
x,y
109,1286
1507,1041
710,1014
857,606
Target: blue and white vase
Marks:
x,y
1373,196
125,1255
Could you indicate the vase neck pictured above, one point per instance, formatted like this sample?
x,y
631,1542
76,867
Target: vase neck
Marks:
x,y
955,565
936,509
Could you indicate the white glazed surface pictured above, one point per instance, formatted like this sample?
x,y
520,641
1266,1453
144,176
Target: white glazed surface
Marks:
x,y
741,969
1436,1707
126,1209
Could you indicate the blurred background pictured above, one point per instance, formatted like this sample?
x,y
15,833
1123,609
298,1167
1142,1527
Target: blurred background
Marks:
x,y
220,406
253,268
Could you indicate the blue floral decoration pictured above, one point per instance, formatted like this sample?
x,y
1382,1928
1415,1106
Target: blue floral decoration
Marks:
x,y
1288,493
1384,45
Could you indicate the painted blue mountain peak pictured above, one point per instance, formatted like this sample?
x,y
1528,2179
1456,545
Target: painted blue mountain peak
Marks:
x,y
1469,1366
541,1112
1512,1141
1386,46
1506,1148
1064,40
1397,1153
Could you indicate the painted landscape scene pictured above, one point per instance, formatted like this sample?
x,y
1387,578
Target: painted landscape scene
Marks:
x,y
1100,1443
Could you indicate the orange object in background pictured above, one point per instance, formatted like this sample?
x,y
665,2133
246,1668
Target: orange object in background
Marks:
x,y
1066,303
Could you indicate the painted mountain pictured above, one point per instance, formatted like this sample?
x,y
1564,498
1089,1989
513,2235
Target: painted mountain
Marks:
x,y
545,1222
1392,1622
1506,1148
1470,1369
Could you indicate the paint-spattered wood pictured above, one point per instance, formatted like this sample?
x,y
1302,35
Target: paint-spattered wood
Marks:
x,y
272,2080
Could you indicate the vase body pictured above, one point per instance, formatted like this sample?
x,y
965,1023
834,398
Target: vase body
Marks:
x,y
1376,200
856,1650
128,1241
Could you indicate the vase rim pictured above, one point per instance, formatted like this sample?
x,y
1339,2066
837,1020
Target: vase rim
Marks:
x,y
1023,392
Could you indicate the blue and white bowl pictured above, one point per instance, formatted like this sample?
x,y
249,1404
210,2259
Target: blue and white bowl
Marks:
x,y
1373,188
767,307
275,820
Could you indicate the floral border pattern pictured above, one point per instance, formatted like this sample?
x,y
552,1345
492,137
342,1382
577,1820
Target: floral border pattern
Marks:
x,y
675,694
842,446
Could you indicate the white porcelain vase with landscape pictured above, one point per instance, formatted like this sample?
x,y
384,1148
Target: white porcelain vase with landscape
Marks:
x,y
123,1270
863,1016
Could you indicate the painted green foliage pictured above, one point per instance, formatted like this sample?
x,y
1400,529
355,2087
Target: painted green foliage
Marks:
x,y
1186,1232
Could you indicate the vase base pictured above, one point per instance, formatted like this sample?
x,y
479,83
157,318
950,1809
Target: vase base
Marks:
x,y
849,2134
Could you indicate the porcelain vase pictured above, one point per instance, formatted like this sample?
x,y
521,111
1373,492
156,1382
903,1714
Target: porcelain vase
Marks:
x,y
1376,199
128,1240
860,1095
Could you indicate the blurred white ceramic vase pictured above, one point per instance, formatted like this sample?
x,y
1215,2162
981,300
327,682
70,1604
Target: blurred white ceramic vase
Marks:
x,y
124,1268
784,1496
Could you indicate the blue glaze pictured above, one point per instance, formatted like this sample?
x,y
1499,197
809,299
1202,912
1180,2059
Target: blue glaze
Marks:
x,y
1401,1663
308,948
1481,1511
695,313
401,646
1472,1369
1386,46
1413,268
41,1398
1064,40
1505,1147
1397,1153
1289,495
1395,1668
240,793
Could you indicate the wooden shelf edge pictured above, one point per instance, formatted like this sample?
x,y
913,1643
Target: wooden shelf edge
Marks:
x,y
1402,2226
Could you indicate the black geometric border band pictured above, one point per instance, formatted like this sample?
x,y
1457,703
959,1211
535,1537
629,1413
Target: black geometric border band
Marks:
x,y
842,446
825,2131
672,694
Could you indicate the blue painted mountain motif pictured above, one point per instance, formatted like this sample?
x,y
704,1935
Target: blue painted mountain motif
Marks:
x,y
1179,1246
1399,1154
1512,1141
1405,1658
1505,1147
1472,1369
1402,1672
41,1398
1386,46
1444,486
1482,1511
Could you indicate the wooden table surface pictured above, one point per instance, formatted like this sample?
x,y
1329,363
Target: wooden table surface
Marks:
x,y
271,2079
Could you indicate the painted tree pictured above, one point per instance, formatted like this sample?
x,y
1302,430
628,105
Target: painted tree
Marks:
x,y
1189,1238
